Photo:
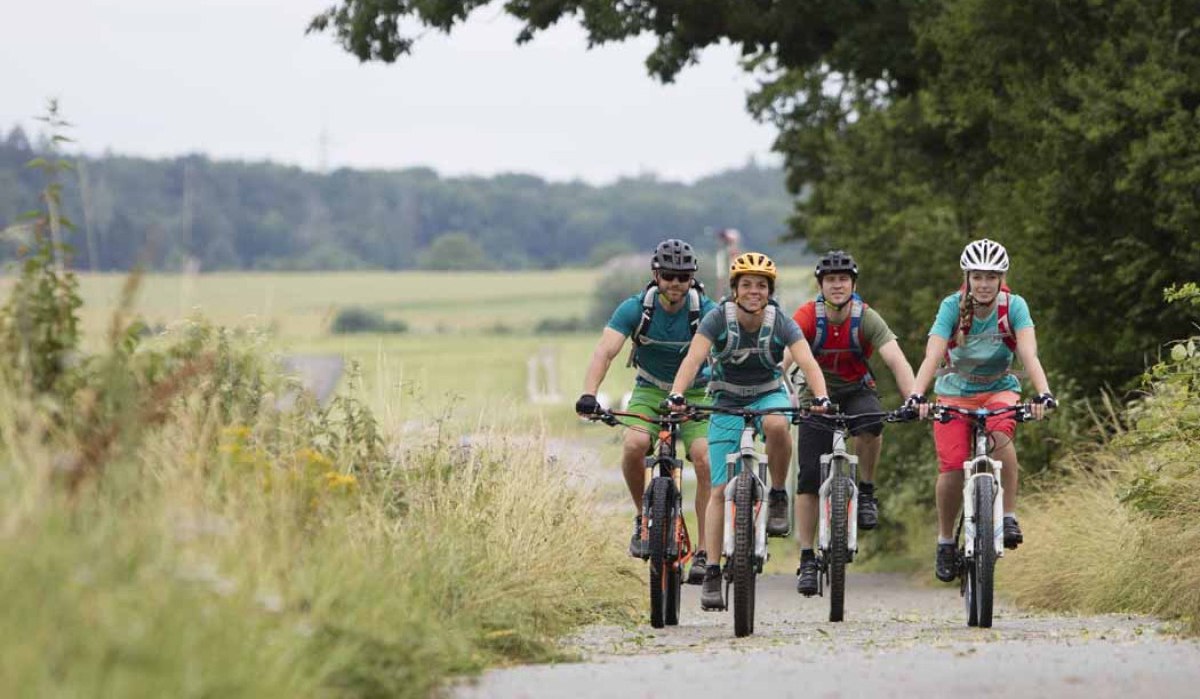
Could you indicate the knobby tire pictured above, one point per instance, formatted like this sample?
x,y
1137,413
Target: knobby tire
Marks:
x,y
743,552
674,565
985,550
839,553
659,529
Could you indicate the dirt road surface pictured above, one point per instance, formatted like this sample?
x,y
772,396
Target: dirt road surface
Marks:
x,y
899,639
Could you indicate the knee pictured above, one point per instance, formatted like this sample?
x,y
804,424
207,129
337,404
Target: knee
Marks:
x,y
636,442
717,494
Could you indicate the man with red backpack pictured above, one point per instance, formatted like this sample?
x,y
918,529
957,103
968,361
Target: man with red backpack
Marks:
x,y
843,333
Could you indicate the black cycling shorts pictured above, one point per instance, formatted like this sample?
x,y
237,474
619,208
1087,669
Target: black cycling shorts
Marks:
x,y
818,440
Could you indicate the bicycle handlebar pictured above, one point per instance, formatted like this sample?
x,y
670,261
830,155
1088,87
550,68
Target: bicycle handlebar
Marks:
x,y
609,417
945,413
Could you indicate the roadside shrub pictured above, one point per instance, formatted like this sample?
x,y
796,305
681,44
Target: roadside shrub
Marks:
x,y
356,319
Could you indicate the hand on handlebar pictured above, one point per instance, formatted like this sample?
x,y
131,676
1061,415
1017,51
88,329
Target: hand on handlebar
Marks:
x,y
820,404
587,405
676,402
1041,404
918,404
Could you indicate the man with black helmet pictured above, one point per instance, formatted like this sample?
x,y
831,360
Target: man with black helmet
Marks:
x,y
843,333
661,321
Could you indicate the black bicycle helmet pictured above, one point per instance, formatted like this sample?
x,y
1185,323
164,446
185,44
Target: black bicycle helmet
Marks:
x,y
836,261
674,255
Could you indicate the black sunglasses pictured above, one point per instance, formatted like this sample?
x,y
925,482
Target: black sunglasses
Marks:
x,y
676,276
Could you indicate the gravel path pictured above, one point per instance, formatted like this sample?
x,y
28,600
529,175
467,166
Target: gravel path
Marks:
x,y
899,639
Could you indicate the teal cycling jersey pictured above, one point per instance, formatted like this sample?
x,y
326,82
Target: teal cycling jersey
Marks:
x,y
669,335
980,364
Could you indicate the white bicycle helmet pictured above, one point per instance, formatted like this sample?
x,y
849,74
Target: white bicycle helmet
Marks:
x,y
984,255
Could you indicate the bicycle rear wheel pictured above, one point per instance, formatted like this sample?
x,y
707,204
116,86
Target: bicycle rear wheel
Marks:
x,y
659,527
743,552
985,550
839,553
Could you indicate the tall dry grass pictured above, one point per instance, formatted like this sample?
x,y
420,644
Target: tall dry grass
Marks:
x,y
226,548
1122,532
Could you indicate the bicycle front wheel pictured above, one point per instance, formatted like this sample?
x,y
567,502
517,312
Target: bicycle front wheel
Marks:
x,y
839,552
985,550
743,554
659,527
674,588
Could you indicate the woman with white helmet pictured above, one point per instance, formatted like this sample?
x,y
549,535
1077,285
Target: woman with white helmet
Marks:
x,y
978,332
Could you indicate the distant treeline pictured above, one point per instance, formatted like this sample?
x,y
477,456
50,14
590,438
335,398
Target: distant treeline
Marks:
x,y
235,215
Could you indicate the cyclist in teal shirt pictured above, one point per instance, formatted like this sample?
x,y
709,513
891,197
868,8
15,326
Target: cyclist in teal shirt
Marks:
x,y
660,321
979,330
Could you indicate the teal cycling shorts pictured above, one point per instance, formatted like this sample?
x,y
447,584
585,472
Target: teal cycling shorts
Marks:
x,y
725,432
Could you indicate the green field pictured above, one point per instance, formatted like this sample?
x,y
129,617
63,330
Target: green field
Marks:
x,y
470,339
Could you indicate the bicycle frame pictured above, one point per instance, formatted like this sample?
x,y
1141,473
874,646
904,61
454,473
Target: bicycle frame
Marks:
x,y
978,466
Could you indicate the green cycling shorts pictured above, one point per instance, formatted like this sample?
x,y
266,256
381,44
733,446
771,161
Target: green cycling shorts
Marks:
x,y
647,400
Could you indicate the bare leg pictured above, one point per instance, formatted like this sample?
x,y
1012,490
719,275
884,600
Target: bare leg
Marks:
x,y
633,465
806,520
714,524
699,454
779,449
867,447
949,500
1006,453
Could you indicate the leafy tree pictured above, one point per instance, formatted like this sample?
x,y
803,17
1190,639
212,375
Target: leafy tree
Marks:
x,y
457,251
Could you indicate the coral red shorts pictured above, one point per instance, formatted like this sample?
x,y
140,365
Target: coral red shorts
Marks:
x,y
953,439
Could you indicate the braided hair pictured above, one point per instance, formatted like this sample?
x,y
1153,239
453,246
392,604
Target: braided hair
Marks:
x,y
966,312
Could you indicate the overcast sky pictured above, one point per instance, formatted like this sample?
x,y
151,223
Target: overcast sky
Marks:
x,y
239,79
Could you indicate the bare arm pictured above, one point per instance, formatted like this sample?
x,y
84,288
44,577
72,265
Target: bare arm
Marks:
x,y
898,363
697,351
1027,351
608,347
803,355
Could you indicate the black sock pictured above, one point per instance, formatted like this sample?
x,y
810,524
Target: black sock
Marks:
x,y
867,487
806,554
778,490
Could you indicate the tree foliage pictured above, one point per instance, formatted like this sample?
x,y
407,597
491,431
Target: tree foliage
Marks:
x,y
230,215
1067,130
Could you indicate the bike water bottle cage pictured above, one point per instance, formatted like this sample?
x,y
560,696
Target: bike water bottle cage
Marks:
x,y
640,337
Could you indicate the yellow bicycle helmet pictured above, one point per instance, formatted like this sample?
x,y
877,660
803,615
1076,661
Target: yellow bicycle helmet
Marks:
x,y
752,263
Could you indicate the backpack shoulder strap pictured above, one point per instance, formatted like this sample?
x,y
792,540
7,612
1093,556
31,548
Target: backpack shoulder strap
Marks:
x,y
856,314
821,322
766,333
694,308
732,330
638,337
1003,325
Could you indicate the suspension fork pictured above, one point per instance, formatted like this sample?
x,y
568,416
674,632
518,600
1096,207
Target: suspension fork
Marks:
x,y
840,456
747,448
982,466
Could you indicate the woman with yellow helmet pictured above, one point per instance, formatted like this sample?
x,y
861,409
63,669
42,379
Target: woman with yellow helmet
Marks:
x,y
746,337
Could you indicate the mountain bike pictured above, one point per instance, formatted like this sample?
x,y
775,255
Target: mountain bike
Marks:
x,y
745,533
663,526
979,536
837,504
